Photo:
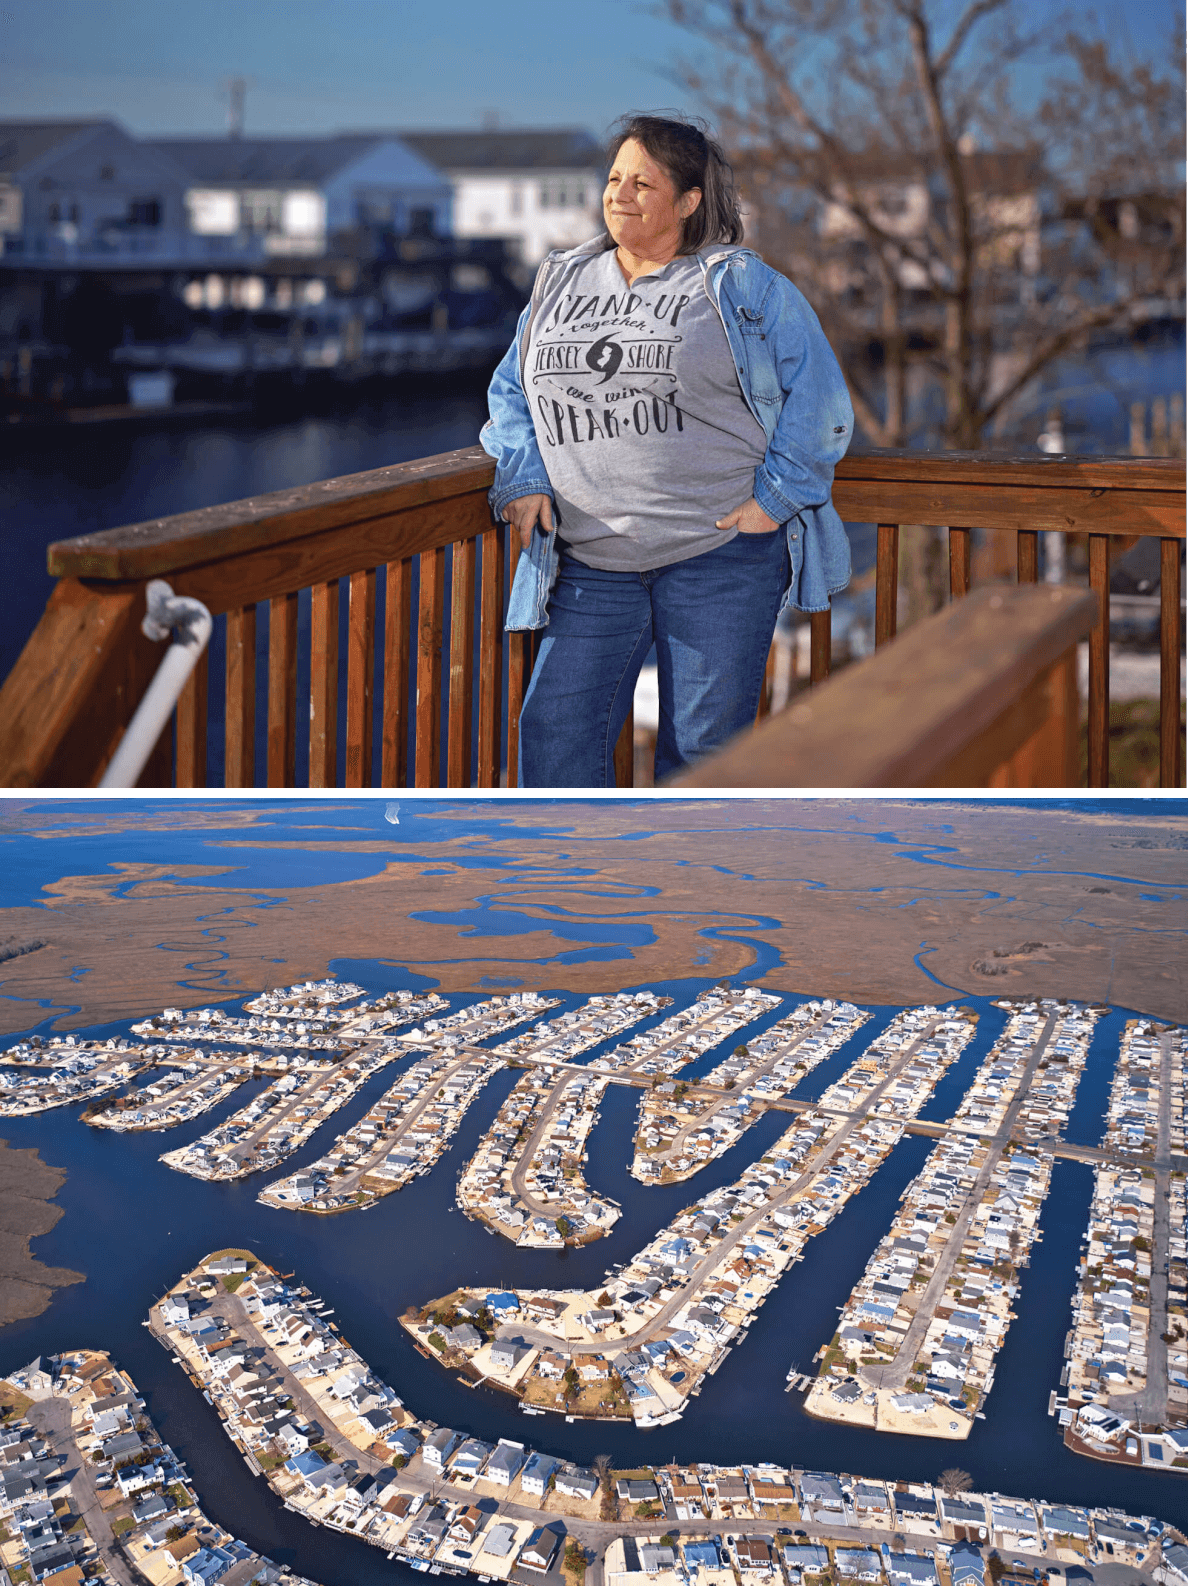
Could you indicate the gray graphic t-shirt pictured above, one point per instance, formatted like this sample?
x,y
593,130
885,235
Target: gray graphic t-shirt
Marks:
x,y
639,415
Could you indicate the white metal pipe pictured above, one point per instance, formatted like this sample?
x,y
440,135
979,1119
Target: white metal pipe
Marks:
x,y
193,623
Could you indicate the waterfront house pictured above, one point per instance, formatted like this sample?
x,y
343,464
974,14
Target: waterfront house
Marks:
x,y
639,1491
577,1483
466,1525
504,1353
505,1463
438,1447
538,1469
703,1553
753,1553
207,1566
471,1457
540,189
403,1441
537,1554
656,1558
499,1540
264,198
86,190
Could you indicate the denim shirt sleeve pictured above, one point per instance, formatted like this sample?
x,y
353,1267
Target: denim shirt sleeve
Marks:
x,y
509,435
816,419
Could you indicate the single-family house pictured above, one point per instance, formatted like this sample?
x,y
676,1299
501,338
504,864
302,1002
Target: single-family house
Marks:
x,y
438,1446
505,1463
578,1483
537,1554
537,1470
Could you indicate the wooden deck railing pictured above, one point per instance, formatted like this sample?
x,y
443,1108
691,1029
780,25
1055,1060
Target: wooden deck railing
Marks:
x,y
981,694
431,695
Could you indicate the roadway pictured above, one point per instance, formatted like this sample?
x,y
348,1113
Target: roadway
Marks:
x,y
895,1374
740,1232
757,1073
51,1417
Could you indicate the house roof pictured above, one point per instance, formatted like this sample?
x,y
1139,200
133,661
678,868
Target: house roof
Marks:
x,y
22,142
235,160
556,148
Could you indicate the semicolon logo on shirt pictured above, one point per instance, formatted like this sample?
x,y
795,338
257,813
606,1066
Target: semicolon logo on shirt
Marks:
x,y
605,355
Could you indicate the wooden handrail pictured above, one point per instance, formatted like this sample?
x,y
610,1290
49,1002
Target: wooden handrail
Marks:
x,y
75,685
950,703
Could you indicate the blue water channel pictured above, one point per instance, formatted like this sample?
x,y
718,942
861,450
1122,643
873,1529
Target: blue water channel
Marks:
x,y
132,1225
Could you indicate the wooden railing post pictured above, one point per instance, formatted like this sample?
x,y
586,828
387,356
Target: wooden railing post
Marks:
x,y
820,645
239,742
191,727
490,729
461,708
519,671
959,540
1171,738
323,685
1027,555
625,754
1099,664
886,583
397,644
282,691
360,678
429,634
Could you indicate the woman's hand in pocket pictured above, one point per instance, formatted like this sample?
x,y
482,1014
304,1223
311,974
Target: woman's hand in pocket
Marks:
x,y
523,514
749,519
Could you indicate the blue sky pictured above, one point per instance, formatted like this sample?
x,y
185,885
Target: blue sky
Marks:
x,y
320,65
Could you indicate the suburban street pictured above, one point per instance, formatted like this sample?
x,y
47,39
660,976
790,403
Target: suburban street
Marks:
x,y
894,1375
847,1124
51,1417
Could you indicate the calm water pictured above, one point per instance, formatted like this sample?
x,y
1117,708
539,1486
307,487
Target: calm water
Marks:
x,y
132,1225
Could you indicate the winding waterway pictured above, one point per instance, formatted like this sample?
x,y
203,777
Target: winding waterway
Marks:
x,y
132,1225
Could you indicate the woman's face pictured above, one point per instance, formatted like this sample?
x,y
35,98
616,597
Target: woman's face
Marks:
x,y
642,207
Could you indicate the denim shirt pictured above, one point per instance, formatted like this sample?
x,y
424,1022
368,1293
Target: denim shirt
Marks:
x,y
792,384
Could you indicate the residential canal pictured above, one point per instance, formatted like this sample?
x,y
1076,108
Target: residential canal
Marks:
x,y
132,1226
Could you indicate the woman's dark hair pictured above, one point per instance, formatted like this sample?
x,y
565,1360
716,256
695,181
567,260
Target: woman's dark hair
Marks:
x,y
693,159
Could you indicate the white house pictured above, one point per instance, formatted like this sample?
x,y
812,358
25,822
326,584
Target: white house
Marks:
x,y
289,196
86,191
540,190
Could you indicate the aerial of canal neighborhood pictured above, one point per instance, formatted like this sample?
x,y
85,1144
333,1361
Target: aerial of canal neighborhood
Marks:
x,y
89,1493
747,1193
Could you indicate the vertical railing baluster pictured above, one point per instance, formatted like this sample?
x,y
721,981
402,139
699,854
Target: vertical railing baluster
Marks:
x,y
886,583
1027,556
958,563
360,678
427,771
491,659
624,754
323,685
397,643
282,691
460,727
764,707
1171,740
1099,664
191,727
519,669
820,645
239,741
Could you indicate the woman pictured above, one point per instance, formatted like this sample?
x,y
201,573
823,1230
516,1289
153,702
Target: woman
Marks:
x,y
665,425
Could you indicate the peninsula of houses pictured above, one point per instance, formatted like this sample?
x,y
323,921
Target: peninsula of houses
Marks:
x,y
343,1450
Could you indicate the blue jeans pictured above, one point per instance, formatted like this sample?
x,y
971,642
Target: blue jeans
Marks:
x,y
711,619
